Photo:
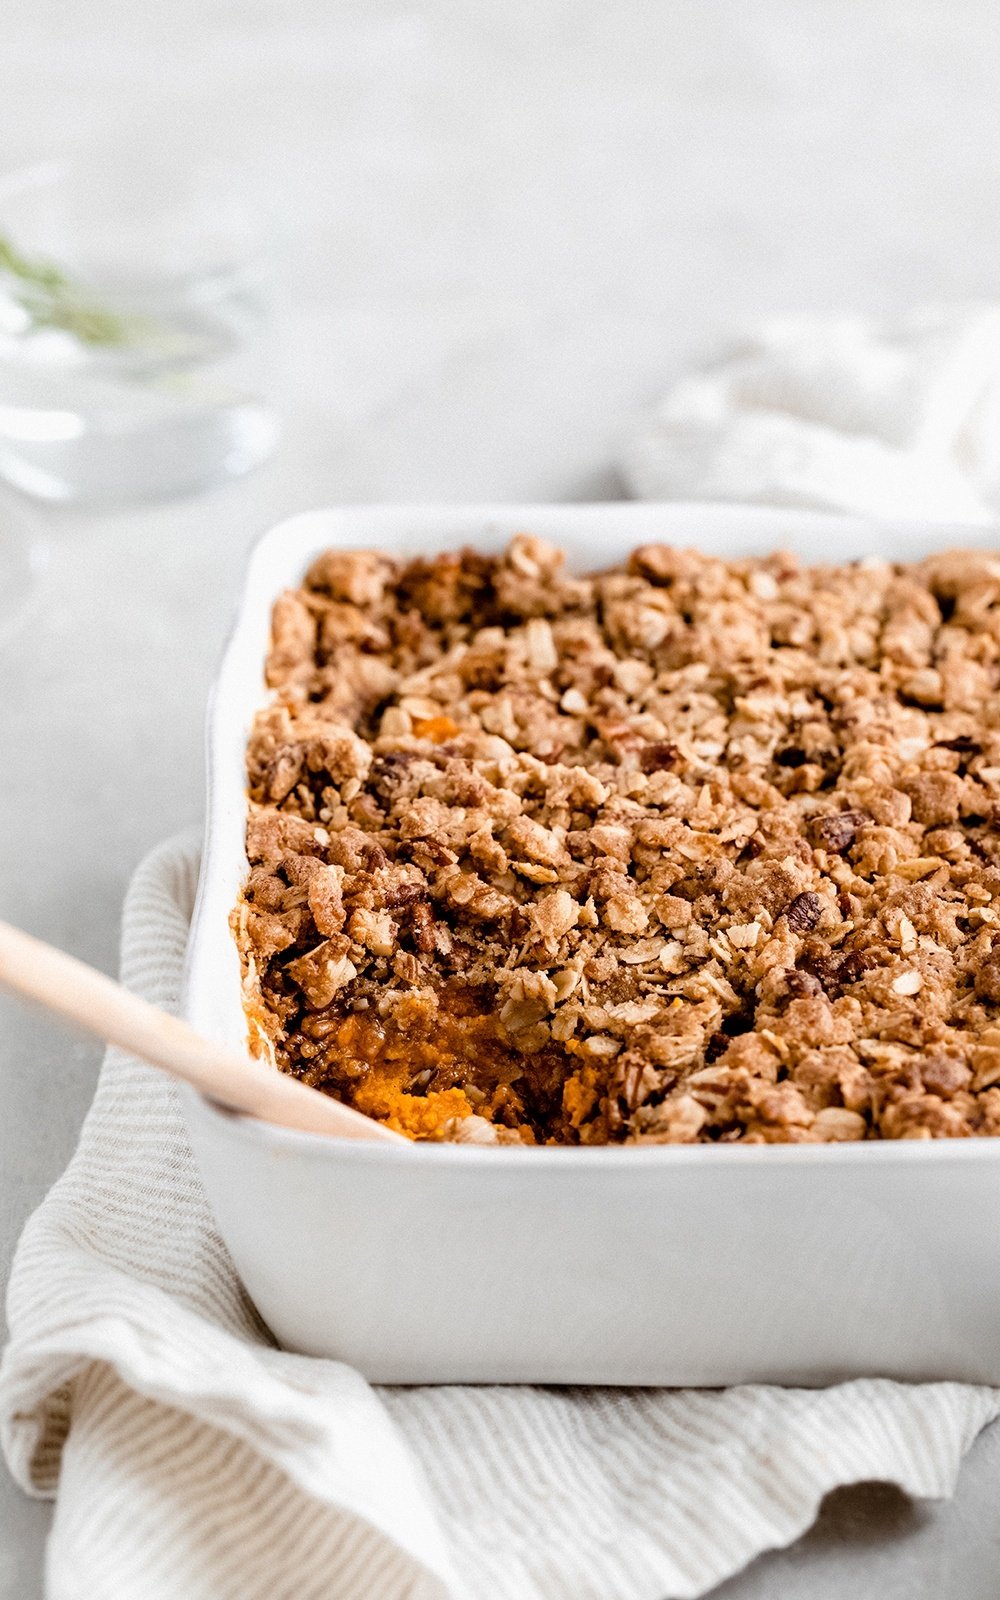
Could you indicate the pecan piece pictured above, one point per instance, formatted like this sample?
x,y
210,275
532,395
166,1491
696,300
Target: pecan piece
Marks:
x,y
838,832
803,912
659,756
852,966
422,918
801,984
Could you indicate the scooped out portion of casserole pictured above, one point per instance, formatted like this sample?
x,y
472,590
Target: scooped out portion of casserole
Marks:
x,y
689,850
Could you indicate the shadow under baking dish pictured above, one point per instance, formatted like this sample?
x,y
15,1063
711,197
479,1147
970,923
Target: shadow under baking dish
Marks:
x,y
668,1265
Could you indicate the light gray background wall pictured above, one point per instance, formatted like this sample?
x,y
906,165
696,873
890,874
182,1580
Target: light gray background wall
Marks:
x,y
507,224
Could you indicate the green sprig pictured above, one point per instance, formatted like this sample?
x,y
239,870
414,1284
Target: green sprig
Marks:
x,y
51,300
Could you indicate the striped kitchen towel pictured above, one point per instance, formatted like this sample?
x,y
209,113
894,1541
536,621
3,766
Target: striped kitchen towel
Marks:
x,y
191,1460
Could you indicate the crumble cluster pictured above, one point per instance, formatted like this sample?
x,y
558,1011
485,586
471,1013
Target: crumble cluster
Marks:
x,y
686,850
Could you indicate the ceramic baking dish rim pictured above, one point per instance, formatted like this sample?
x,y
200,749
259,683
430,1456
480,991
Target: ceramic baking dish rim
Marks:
x,y
286,1141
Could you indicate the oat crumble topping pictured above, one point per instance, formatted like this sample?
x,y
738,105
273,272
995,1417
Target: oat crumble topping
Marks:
x,y
688,850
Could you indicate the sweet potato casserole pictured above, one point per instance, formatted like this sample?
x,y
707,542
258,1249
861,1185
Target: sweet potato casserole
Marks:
x,y
685,851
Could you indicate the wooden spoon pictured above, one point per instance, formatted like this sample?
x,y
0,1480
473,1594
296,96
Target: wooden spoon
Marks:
x,y
103,1007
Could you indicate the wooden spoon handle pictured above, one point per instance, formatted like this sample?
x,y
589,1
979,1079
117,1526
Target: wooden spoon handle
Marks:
x,y
95,1002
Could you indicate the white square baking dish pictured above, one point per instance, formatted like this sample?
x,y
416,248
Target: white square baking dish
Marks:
x,y
668,1265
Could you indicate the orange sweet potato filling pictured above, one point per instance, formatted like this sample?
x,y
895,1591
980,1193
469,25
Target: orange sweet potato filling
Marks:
x,y
452,1062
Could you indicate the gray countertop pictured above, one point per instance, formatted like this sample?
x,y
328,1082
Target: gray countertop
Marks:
x,y
506,226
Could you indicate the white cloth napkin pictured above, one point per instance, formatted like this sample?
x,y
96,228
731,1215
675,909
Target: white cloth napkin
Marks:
x,y
191,1460
897,420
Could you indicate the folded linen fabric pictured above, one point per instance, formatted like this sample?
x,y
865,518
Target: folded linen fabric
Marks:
x,y
898,419
191,1458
